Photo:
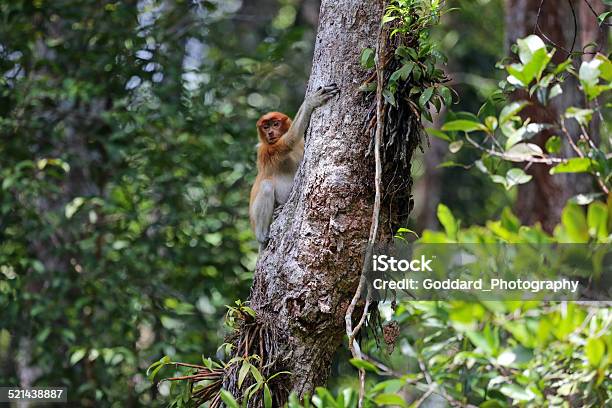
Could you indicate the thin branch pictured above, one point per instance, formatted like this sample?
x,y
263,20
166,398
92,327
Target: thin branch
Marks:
x,y
545,160
586,137
424,396
351,333
570,140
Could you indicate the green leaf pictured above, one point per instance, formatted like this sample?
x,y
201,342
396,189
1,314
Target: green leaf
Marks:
x,y
425,96
249,392
446,95
454,147
488,340
556,90
73,206
516,392
605,69
523,152
229,399
390,399
248,310
525,132
403,73
279,373
575,223
500,180
267,396
603,17
528,47
565,66
256,374
510,221
582,116
451,163
597,220
402,231
155,367
589,74
77,356
517,176
389,97
585,199
491,123
509,111
448,221
294,402
324,399
244,370
438,133
367,58
573,165
463,125
595,350
534,59
523,75
493,404
553,144
363,364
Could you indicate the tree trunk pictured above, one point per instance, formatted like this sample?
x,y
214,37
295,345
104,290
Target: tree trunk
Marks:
x,y
542,200
307,274
429,187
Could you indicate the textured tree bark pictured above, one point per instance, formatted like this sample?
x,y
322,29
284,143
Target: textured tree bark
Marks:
x,y
306,275
542,200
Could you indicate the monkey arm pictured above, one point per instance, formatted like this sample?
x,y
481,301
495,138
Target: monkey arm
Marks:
x,y
302,118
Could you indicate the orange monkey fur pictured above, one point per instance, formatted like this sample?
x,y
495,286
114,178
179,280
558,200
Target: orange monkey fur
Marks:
x,y
277,161
279,154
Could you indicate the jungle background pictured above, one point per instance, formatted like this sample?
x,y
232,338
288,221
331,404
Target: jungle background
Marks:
x,y
127,150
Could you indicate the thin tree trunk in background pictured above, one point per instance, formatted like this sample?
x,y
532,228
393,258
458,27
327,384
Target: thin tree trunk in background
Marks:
x,y
309,11
306,276
542,200
594,38
428,189
590,30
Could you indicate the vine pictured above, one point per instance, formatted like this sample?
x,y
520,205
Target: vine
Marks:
x,y
409,85
412,87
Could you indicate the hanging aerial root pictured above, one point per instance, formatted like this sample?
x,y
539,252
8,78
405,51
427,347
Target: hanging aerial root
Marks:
x,y
205,383
402,132
253,343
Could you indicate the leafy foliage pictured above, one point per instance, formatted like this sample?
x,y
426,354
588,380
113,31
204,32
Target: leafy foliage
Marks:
x,y
415,77
127,143
506,136
123,231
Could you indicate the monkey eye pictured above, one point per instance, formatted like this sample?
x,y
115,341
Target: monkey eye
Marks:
x,y
266,126
276,123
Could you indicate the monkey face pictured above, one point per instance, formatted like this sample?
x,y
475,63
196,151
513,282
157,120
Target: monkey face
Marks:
x,y
272,130
272,126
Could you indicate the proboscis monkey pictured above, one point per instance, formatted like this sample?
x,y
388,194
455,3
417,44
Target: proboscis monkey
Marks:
x,y
279,154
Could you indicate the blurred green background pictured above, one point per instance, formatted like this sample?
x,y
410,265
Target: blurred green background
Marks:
x,y
127,149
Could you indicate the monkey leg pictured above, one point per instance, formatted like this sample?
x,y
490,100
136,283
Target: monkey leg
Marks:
x,y
263,209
